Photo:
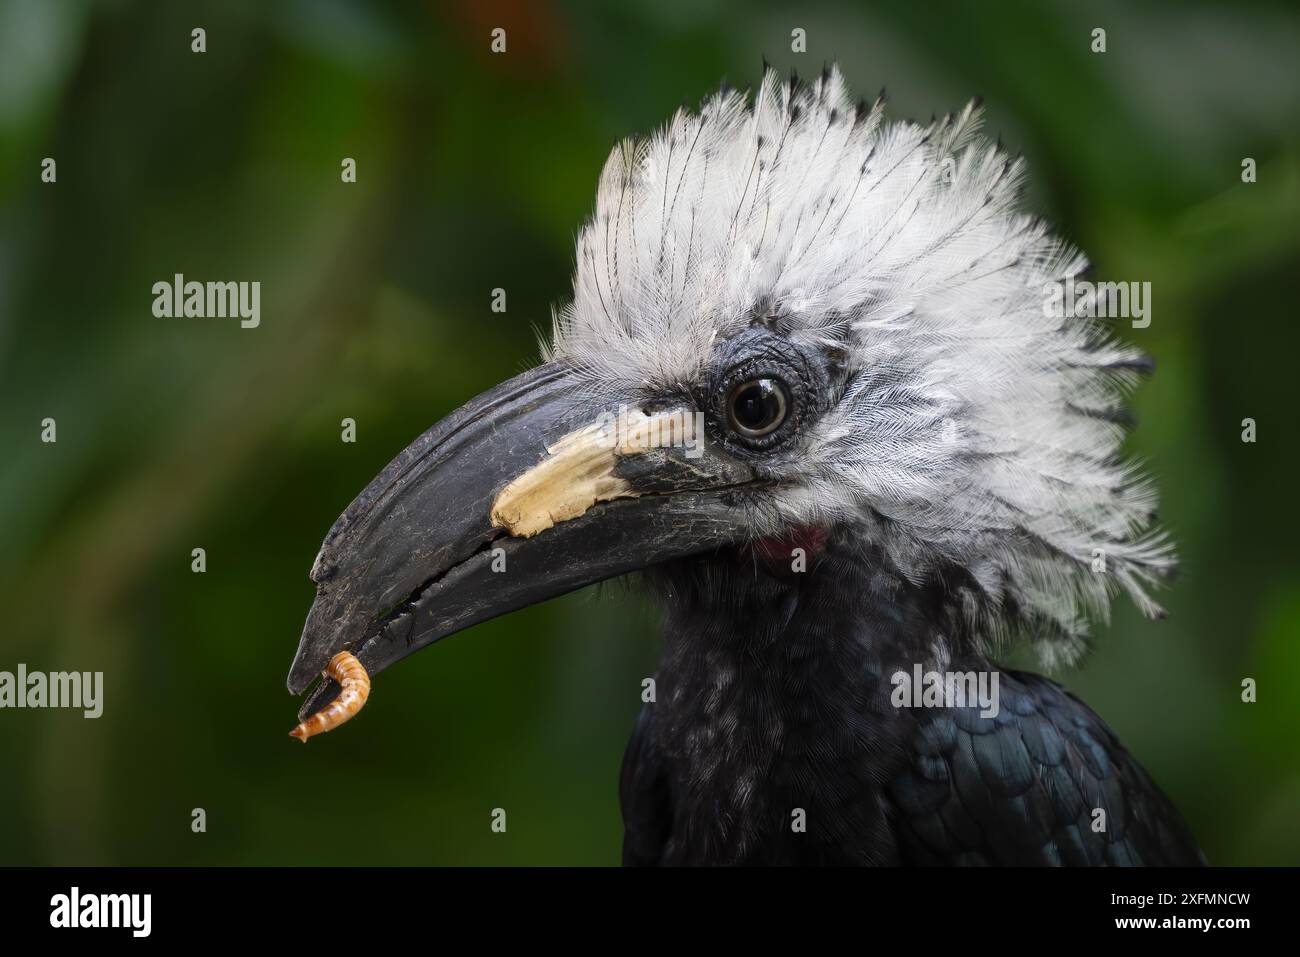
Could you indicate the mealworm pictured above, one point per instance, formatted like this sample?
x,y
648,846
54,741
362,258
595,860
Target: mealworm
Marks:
x,y
352,678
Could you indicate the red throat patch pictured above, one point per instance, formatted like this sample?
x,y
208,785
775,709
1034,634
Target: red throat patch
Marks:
x,y
778,551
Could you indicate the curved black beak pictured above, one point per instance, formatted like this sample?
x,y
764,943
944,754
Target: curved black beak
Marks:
x,y
526,492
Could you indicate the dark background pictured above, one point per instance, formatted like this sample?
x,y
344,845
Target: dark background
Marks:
x,y
475,171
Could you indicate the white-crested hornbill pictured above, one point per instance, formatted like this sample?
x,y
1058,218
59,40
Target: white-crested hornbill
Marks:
x,y
808,384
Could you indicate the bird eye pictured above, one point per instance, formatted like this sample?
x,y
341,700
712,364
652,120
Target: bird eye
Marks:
x,y
757,407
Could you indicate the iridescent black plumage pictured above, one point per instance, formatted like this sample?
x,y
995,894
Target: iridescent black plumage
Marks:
x,y
773,696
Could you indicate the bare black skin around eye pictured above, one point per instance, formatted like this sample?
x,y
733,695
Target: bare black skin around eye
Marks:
x,y
763,391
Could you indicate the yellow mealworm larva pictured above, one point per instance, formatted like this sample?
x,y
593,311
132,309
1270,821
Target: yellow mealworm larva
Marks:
x,y
352,678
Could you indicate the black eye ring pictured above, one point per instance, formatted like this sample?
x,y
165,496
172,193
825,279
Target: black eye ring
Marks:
x,y
757,407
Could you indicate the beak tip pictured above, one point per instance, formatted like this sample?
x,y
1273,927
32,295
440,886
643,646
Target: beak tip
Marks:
x,y
299,676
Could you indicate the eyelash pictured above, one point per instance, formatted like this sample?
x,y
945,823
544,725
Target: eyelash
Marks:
x,y
355,683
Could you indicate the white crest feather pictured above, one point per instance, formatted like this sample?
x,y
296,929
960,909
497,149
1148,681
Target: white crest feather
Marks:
x,y
975,431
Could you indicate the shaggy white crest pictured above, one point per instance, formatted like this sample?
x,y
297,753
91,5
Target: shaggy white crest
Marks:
x,y
974,430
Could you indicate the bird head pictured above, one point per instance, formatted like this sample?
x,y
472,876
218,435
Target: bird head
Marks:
x,y
793,323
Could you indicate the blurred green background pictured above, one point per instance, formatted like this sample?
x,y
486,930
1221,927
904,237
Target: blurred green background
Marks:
x,y
474,172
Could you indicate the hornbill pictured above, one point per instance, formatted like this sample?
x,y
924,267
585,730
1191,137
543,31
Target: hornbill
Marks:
x,y
809,385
